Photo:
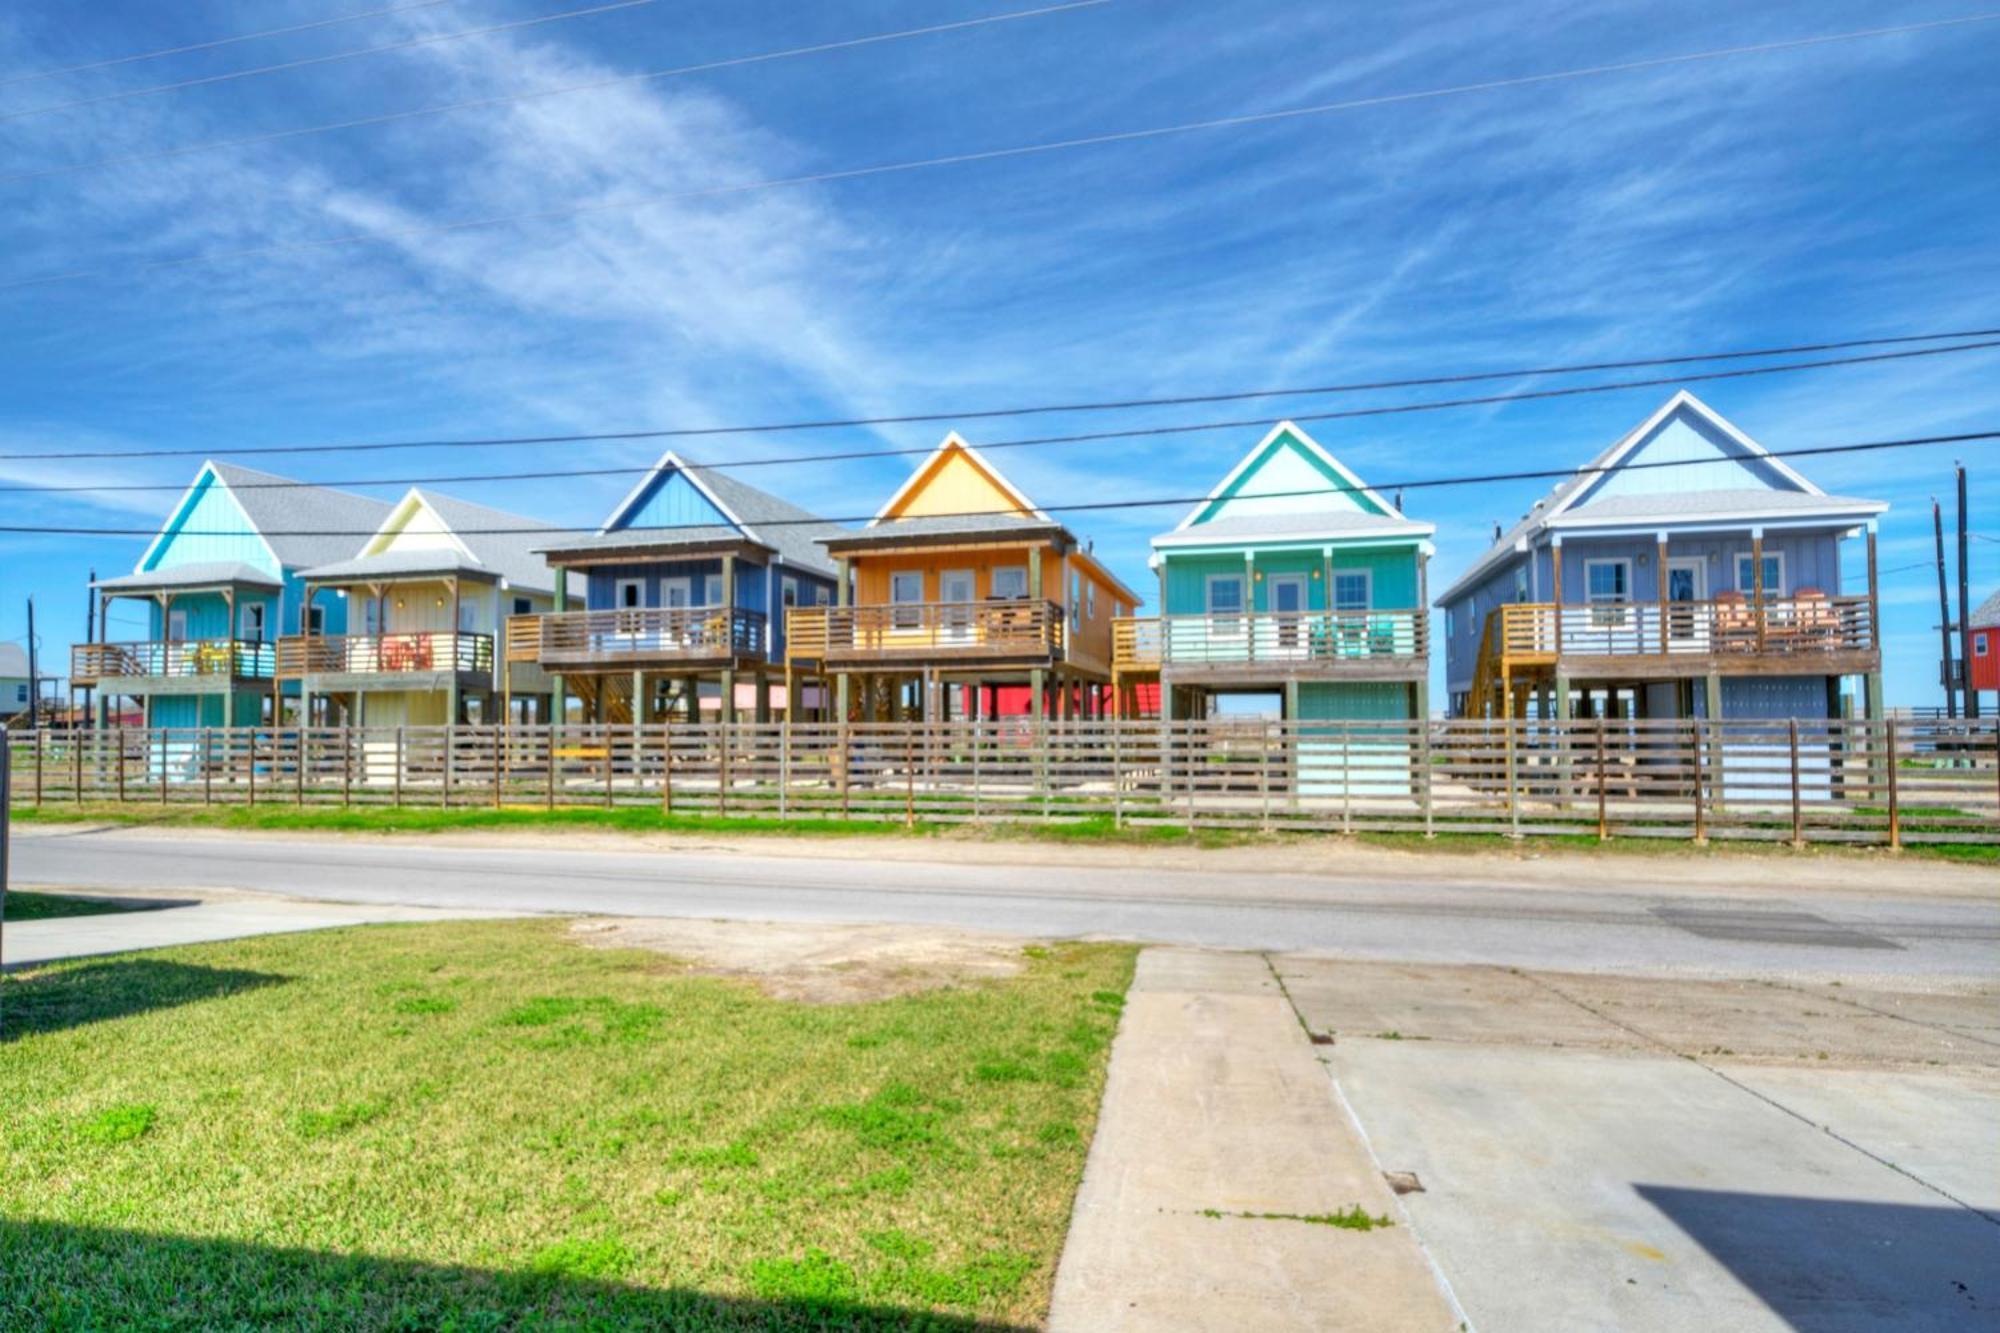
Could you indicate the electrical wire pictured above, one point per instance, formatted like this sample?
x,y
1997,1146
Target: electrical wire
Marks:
x,y
430,39
986,155
683,432
504,99
13,79
1094,506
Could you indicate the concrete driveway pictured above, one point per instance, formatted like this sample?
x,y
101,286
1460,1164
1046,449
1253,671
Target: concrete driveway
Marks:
x,y
1602,1152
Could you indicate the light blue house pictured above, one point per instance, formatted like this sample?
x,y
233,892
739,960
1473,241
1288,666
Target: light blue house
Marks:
x,y
218,585
1683,572
1291,578
687,583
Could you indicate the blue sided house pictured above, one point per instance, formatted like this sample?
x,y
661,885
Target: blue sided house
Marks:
x,y
687,583
1683,572
217,587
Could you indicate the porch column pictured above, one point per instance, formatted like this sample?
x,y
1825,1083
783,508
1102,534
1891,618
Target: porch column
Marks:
x,y
1660,555
305,659
728,699
558,687
638,698
1874,597
1556,567
763,712
451,696
1757,581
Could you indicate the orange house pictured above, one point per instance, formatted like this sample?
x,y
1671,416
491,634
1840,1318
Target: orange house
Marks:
x,y
959,585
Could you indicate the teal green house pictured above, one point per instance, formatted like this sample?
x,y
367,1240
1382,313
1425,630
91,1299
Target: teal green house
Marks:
x,y
217,587
1293,579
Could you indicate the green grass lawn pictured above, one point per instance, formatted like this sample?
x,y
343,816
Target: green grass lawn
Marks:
x,y
22,906
487,1126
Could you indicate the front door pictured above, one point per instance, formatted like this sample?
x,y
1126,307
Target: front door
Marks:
x,y
1687,581
955,589
1287,604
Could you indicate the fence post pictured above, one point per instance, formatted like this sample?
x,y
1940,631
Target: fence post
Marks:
x,y
76,758
208,765
785,767
549,767
610,744
450,759
722,767
1346,776
667,767
1603,822
909,780
398,776
1513,786
1117,771
1798,810
250,768
346,764
1895,793
1424,755
40,736
498,758
118,739
1695,751
976,748
300,749
843,760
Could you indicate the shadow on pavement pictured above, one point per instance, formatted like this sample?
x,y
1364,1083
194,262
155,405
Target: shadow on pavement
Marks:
x,y
67,996
85,1277
1841,1265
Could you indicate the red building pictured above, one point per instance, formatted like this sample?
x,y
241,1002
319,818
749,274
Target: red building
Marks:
x,y
1983,664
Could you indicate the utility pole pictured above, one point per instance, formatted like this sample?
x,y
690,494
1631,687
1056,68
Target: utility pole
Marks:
x,y
1965,607
34,675
1944,613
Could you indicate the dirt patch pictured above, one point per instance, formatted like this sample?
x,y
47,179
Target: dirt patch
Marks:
x,y
815,963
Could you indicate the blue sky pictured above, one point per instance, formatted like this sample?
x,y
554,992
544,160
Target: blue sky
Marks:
x,y
1839,190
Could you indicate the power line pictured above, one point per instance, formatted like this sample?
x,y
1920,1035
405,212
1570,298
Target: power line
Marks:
x,y
681,432
991,154
708,66
428,40
1093,506
220,41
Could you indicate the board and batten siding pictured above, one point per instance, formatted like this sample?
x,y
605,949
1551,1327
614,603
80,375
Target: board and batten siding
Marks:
x,y
1392,576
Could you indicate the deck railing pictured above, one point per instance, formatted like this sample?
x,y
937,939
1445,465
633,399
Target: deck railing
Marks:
x,y
385,654
1724,627
238,659
1283,640
925,630
608,638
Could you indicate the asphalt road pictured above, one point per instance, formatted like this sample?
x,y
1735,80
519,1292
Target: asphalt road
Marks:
x,y
1518,924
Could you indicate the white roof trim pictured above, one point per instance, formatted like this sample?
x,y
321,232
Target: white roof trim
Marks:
x,y
953,440
1791,518
1392,530
208,470
1682,398
672,460
1292,428
394,525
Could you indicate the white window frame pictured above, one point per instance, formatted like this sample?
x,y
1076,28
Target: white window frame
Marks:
x,y
1601,618
21,693
1367,577
913,618
1090,599
1748,585
1979,645
245,614
788,591
177,616
1075,600
1242,582
524,606
1521,582
993,582
618,588
315,620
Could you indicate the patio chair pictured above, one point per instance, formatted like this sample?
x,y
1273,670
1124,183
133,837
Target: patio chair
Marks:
x,y
1735,623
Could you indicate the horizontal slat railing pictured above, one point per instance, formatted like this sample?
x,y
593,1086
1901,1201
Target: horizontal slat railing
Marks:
x,y
1783,627
666,633
385,654
1301,639
1024,629
238,658
1793,781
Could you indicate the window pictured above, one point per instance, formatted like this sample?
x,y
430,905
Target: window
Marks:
x,y
1450,623
1225,594
906,588
468,616
1607,584
788,591
1350,590
1075,599
1520,583
177,626
523,607
1774,575
315,620
1090,600
371,615
1979,645
629,594
21,694
251,618
1010,582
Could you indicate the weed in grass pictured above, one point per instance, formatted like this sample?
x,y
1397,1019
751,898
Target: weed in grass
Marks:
x,y
337,1119
1108,999
599,1018
1058,1134
426,1004
815,1279
900,1244
1351,1218
576,1258
119,1124
727,1156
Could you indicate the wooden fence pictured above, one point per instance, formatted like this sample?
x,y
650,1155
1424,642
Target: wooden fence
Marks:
x,y
1802,781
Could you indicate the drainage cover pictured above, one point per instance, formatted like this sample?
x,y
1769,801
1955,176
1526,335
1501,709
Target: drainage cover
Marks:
x,y
1766,926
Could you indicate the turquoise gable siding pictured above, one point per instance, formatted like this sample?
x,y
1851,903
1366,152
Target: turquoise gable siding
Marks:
x,y
210,525
669,501
1274,482
1712,462
1392,574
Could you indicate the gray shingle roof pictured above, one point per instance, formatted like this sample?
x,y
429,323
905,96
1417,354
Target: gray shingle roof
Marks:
x,y
510,551
292,508
794,533
405,564
13,661
1277,527
200,574
646,539
949,525
1695,504
1987,614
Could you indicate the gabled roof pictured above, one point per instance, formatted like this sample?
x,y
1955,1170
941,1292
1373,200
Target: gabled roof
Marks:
x,y
1568,505
294,508
13,662
197,574
792,533
954,445
1341,513
484,543
1987,614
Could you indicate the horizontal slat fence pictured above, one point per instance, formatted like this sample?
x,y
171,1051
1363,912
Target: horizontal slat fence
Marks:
x,y
1903,780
